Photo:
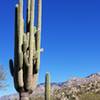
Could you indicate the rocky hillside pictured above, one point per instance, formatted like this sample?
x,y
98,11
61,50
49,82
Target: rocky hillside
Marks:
x,y
74,89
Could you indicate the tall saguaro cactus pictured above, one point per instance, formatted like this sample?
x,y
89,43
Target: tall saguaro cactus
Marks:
x,y
47,86
27,49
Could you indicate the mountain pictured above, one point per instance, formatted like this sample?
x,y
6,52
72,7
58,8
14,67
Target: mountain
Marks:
x,y
72,89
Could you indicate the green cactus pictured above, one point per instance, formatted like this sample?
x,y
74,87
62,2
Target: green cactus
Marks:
x,y
47,86
26,63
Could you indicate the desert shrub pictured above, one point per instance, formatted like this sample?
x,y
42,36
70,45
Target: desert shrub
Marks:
x,y
41,97
90,96
37,97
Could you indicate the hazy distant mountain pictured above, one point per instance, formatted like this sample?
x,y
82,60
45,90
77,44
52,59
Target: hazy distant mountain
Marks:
x,y
68,90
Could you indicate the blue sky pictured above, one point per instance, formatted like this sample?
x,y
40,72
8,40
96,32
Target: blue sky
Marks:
x,y
70,38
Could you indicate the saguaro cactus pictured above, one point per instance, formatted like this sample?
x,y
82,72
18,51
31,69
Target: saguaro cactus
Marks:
x,y
47,86
27,49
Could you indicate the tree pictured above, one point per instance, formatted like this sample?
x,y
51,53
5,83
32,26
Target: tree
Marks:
x,y
2,78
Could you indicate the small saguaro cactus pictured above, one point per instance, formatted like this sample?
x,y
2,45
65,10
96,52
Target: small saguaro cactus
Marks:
x,y
47,86
26,63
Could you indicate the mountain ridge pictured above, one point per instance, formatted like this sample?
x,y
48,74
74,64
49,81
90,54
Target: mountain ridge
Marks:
x,y
74,83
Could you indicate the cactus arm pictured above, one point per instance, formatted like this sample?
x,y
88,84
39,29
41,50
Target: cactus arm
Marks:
x,y
31,49
20,79
31,37
28,15
19,66
15,51
16,37
28,11
38,33
39,15
20,33
20,25
11,66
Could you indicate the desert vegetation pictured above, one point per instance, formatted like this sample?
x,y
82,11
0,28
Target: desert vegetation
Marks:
x,y
25,66
2,78
87,88
89,96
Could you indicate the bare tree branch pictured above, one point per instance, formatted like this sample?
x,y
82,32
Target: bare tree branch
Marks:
x,y
2,78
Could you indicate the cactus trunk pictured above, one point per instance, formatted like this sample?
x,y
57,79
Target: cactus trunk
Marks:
x,y
24,96
47,86
26,63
